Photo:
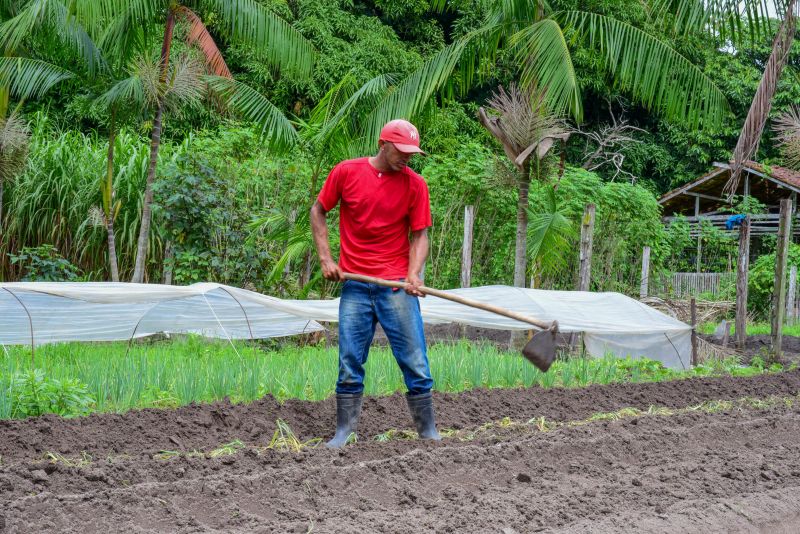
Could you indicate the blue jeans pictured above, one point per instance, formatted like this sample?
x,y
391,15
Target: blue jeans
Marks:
x,y
363,306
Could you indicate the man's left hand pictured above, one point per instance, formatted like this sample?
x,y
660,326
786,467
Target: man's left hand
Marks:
x,y
413,283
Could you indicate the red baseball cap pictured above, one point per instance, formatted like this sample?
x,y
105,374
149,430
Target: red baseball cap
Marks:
x,y
403,135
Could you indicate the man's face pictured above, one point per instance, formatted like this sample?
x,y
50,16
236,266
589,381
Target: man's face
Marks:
x,y
395,159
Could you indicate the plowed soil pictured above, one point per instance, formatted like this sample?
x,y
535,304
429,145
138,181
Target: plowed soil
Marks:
x,y
728,471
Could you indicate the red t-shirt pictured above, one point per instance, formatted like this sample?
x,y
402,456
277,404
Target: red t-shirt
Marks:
x,y
377,212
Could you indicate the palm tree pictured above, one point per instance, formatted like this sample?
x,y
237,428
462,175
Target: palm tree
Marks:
x,y
525,128
243,20
654,74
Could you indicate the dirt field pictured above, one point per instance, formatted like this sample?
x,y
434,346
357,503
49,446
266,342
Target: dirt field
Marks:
x,y
735,470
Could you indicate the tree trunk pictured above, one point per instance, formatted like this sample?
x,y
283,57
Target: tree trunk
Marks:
x,y
147,207
520,251
112,249
155,143
108,202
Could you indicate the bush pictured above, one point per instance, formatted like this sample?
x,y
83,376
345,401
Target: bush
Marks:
x,y
761,280
32,394
43,264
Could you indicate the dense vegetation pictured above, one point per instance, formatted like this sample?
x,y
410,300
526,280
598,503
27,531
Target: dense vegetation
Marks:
x,y
238,164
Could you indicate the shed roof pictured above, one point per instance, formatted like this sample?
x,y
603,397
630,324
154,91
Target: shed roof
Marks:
x,y
768,184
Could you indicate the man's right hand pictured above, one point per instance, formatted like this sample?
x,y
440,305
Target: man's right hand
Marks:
x,y
331,270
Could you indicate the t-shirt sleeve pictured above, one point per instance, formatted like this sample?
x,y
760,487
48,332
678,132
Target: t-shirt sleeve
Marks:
x,y
332,189
420,213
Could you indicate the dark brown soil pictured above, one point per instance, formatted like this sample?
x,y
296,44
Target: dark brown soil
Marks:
x,y
736,471
761,345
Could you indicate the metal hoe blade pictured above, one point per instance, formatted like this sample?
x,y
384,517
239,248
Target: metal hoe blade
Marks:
x,y
541,349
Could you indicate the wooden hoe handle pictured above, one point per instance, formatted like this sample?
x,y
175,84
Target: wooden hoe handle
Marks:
x,y
456,298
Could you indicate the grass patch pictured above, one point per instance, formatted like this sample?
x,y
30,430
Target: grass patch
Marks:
x,y
753,329
79,378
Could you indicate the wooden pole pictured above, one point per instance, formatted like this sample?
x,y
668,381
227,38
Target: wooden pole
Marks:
x,y
587,234
791,298
693,311
466,249
645,272
699,234
779,293
742,266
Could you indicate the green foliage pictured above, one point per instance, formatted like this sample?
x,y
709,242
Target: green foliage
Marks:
x,y
32,394
627,218
761,280
43,264
81,377
205,219
51,201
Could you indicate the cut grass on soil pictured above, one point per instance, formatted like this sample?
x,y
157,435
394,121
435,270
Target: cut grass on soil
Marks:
x,y
79,378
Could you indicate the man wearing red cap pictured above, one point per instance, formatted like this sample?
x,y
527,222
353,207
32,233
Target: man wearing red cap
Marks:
x,y
384,216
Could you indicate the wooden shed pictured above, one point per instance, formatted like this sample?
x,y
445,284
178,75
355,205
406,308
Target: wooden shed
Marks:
x,y
703,198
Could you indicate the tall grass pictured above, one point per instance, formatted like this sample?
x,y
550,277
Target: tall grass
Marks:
x,y
179,372
50,201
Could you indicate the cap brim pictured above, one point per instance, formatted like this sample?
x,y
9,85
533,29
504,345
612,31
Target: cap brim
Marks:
x,y
409,149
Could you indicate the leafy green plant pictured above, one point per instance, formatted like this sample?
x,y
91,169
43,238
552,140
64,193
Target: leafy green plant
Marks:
x,y
33,394
761,279
43,264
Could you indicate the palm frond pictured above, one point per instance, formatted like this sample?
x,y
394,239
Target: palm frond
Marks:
x,y
123,37
292,230
787,130
750,136
271,36
248,102
198,35
551,235
185,83
14,141
339,123
726,20
127,92
547,64
30,78
52,16
409,97
652,72
15,30
515,14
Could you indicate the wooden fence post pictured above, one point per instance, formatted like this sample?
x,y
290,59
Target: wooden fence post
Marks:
x,y
585,270
587,234
791,297
699,234
466,249
693,311
645,272
742,266
779,294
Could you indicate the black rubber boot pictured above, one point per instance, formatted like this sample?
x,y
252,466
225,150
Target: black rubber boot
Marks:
x,y
348,409
421,407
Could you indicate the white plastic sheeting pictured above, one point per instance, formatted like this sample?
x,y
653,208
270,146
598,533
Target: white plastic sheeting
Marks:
x,y
98,311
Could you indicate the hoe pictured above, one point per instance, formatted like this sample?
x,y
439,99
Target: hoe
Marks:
x,y
540,350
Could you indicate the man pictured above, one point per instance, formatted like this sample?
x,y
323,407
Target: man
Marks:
x,y
383,202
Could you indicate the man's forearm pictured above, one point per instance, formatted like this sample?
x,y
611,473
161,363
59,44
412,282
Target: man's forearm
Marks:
x,y
418,252
319,229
